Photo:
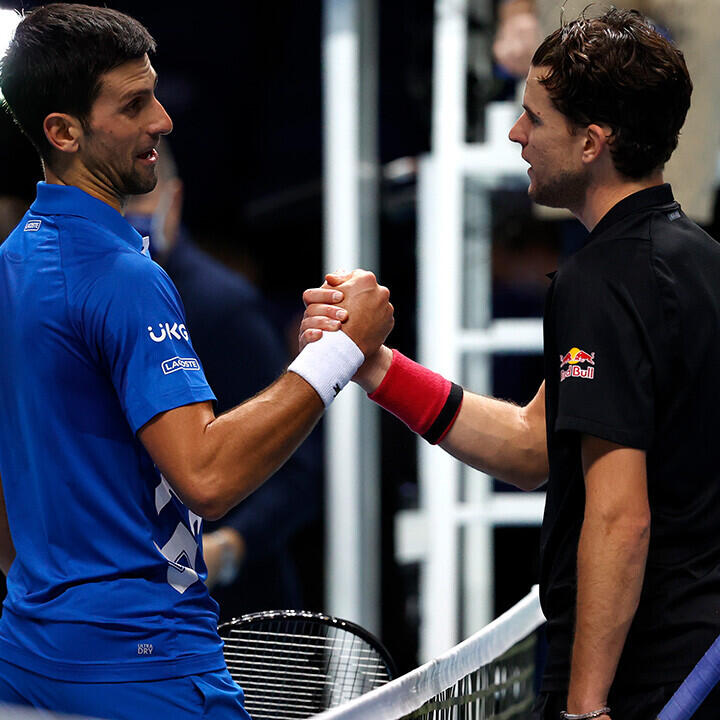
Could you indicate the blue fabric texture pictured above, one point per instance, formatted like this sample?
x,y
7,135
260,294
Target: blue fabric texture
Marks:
x,y
108,580
208,696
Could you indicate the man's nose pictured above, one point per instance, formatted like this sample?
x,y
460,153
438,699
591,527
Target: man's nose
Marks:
x,y
516,133
163,123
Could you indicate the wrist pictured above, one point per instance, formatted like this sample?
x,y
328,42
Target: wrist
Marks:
x,y
328,364
372,372
424,400
585,705
599,712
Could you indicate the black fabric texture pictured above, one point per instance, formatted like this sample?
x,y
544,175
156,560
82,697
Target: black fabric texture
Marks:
x,y
637,312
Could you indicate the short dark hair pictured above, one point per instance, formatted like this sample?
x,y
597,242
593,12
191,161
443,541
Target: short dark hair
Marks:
x,y
617,70
56,59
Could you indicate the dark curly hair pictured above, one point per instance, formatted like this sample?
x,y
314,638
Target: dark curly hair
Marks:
x,y
617,70
56,59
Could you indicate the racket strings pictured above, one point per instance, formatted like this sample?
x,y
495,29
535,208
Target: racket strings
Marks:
x,y
293,668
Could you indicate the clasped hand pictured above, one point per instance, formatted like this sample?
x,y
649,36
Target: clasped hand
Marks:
x,y
360,306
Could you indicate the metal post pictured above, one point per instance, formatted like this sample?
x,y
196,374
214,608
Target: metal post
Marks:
x,y
440,198
350,240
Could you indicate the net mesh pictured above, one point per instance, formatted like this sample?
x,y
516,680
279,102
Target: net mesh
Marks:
x,y
489,675
503,689
292,668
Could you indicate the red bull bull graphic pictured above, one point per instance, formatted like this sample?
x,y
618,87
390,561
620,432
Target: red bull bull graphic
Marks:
x,y
577,363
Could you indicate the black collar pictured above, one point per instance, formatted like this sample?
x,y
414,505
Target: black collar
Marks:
x,y
658,195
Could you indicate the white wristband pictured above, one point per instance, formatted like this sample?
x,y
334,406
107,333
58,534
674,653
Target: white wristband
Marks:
x,y
328,364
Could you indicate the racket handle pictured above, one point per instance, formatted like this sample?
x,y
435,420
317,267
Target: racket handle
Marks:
x,y
695,687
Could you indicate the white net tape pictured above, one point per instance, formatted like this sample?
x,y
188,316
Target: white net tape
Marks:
x,y
409,692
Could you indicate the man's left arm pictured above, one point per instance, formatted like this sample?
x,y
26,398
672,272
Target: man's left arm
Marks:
x,y
611,560
7,549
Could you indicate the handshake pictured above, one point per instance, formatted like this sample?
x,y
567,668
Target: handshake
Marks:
x,y
355,303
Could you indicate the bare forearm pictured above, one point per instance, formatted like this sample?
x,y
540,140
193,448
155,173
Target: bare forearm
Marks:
x,y
501,439
213,463
612,552
494,436
611,566
248,444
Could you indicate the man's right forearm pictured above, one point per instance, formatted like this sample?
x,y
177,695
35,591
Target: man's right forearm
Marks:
x,y
502,439
214,462
493,436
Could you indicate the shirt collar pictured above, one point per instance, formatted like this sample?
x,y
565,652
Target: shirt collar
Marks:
x,y
641,200
70,200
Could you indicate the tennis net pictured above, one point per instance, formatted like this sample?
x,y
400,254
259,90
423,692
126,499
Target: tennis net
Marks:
x,y
489,675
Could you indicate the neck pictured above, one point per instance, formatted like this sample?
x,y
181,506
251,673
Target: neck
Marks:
x,y
601,198
87,183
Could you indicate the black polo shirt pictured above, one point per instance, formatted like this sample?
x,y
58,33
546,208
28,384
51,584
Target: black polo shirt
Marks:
x,y
632,346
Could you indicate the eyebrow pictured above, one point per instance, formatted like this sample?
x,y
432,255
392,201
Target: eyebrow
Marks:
x,y
139,92
530,112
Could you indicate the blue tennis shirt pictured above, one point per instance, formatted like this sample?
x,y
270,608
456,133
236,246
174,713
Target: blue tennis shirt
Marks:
x,y
108,579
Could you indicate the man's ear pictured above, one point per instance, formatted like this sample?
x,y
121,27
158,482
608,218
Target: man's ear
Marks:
x,y
597,140
63,132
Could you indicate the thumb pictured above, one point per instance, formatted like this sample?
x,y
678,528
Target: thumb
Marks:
x,y
338,277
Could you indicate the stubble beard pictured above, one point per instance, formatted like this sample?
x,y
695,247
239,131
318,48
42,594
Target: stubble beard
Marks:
x,y
135,183
566,189
125,181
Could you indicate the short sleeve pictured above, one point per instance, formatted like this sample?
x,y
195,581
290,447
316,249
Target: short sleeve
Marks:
x,y
604,364
134,322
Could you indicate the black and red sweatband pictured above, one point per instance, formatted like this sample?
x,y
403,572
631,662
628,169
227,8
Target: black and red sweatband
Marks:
x,y
425,401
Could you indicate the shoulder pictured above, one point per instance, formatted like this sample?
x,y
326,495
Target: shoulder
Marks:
x,y
121,281
606,263
680,240
30,232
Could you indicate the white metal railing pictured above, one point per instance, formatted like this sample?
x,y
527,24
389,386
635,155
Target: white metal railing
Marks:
x,y
350,240
457,337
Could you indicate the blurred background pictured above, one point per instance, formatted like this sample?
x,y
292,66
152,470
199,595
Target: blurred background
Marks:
x,y
311,135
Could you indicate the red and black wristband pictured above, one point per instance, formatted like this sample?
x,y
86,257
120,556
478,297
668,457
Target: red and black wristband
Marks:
x,y
424,400
445,419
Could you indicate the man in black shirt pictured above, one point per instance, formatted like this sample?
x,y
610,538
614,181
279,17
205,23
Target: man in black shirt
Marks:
x,y
623,426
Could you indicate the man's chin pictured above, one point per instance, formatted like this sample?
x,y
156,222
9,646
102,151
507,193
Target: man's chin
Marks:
x,y
540,198
551,198
141,185
564,190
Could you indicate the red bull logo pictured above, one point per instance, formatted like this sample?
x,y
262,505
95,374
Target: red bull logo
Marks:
x,y
577,363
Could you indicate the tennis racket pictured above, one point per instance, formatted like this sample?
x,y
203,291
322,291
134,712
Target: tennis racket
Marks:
x,y
294,664
695,688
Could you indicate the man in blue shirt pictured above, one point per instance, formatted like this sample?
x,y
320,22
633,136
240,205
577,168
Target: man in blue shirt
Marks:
x,y
111,454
